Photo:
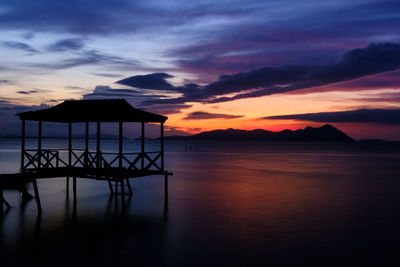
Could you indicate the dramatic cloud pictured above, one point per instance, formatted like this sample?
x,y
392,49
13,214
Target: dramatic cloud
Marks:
x,y
373,59
4,81
91,57
66,45
149,81
108,75
20,46
28,92
200,115
137,98
102,91
383,116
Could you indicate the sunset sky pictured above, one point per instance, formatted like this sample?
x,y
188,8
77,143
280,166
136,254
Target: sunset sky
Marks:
x,y
209,64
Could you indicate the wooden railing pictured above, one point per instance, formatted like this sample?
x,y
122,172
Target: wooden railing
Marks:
x,y
79,158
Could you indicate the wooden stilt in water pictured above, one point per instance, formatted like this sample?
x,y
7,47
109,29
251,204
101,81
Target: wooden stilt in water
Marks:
x,y
1,203
67,185
116,187
129,186
110,185
166,186
122,194
35,188
122,186
74,186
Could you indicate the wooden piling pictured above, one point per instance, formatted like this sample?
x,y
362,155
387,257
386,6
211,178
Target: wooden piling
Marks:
x,y
166,186
129,186
74,186
37,197
39,144
1,202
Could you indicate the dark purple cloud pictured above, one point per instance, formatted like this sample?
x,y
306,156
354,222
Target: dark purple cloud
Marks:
x,y
201,115
136,98
382,116
102,91
89,57
28,92
20,46
356,63
149,81
66,45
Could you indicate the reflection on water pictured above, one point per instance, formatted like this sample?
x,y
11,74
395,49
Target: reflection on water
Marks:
x,y
229,204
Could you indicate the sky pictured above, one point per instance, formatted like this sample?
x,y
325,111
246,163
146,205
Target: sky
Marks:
x,y
273,65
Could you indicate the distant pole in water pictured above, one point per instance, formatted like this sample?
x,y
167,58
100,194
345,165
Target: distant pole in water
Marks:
x,y
39,144
142,145
162,145
22,144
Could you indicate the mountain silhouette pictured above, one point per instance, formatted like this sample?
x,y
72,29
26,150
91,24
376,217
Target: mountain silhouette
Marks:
x,y
326,133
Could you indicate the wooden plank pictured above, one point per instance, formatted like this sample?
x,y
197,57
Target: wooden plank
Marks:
x,y
37,197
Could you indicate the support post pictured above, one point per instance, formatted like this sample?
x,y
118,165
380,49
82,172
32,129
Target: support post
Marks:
x,y
74,187
166,186
122,188
1,202
69,153
39,144
142,150
22,144
129,186
110,185
69,144
35,188
120,144
98,145
86,160
162,145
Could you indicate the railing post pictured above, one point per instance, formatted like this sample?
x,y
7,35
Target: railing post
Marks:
x,y
142,150
98,146
86,158
22,144
57,159
39,144
120,144
162,145
69,144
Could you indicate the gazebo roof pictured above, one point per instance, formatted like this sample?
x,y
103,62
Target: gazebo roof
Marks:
x,y
105,110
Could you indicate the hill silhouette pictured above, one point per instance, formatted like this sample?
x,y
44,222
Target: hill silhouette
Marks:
x,y
326,133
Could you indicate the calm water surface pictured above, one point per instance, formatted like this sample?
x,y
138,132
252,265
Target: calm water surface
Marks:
x,y
230,204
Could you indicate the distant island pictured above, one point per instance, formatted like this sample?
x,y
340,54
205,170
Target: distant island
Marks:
x,y
326,133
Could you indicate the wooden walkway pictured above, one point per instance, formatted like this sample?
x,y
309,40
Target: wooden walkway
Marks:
x,y
117,178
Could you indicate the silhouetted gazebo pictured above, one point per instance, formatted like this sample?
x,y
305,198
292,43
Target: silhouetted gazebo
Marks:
x,y
112,167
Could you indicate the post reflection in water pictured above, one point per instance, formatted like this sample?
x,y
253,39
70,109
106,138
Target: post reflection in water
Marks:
x,y
75,238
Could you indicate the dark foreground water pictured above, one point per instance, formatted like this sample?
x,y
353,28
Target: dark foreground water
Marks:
x,y
230,204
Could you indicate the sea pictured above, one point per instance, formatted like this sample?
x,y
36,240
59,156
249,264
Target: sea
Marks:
x,y
229,204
